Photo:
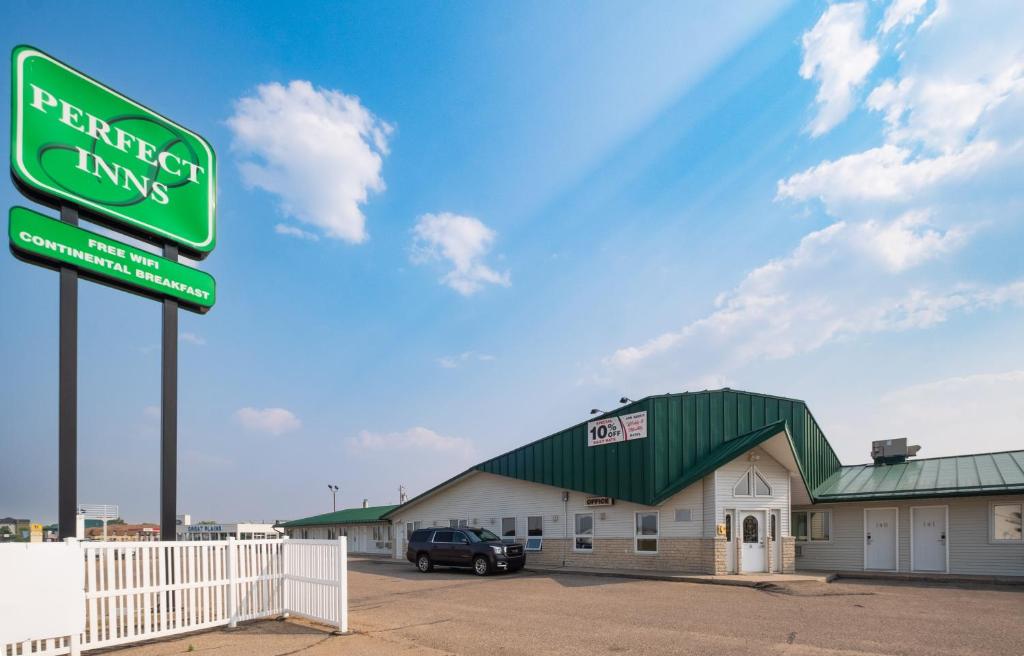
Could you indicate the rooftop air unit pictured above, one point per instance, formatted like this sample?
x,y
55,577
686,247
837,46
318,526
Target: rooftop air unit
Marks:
x,y
888,452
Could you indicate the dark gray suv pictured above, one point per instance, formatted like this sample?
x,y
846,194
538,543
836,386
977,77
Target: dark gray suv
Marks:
x,y
463,547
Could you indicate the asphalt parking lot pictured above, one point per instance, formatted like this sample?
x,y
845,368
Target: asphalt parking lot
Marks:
x,y
395,609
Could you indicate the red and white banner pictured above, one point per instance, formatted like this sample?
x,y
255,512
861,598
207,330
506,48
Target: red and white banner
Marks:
x,y
617,429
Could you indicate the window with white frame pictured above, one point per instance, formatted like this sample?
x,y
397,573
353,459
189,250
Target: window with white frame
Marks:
x,y
508,529
584,532
646,532
535,526
811,525
1006,522
752,484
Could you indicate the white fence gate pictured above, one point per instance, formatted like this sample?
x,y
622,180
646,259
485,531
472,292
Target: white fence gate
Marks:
x,y
136,591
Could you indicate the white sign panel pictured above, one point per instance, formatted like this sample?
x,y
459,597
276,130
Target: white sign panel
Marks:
x,y
44,591
617,429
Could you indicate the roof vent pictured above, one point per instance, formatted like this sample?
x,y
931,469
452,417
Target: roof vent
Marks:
x,y
890,452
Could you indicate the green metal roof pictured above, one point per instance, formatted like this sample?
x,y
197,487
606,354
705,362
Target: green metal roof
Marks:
x,y
689,435
983,473
346,516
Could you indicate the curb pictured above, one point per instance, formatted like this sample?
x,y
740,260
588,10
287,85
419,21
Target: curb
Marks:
x,y
673,578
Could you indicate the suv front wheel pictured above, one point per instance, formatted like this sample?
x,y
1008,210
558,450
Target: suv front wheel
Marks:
x,y
481,566
423,563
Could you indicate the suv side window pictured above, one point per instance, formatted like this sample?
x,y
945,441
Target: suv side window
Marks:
x,y
444,536
420,536
458,537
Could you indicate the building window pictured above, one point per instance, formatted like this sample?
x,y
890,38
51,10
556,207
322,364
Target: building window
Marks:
x,y
408,531
535,527
750,529
1006,522
812,525
330,534
772,529
684,515
584,532
305,534
646,537
508,529
752,484
453,523
728,528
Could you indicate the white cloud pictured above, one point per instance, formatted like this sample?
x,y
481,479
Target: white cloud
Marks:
x,y
417,438
828,289
908,241
840,59
454,361
293,231
886,173
975,413
276,421
943,113
192,338
319,150
463,241
901,13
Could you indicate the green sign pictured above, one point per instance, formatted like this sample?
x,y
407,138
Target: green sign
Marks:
x,y
76,141
40,238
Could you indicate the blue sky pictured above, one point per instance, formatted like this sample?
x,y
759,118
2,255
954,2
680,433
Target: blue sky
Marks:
x,y
446,230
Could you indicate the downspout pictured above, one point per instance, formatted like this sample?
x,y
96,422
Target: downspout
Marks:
x,y
565,524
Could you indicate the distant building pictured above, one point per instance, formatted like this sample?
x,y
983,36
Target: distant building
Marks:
x,y
365,528
186,530
15,530
125,533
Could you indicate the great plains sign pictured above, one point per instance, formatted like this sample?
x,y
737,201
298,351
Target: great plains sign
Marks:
x,y
46,241
617,429
75,141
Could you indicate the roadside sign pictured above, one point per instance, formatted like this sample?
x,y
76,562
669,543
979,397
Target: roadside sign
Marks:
x,y
617,429
75,141
49,242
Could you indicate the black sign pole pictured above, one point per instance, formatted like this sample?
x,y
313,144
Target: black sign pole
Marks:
x,y
169,412
67,416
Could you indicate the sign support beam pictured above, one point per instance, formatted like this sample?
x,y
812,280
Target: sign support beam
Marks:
x,y
67,395
169,411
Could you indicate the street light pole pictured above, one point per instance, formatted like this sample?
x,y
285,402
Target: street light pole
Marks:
x,y
334,497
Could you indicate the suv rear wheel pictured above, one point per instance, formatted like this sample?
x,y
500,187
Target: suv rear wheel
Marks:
x,y
423,563
481,567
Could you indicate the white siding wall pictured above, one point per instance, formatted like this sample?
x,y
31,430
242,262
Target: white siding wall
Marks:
x,y
970,551
483,499
360,536
776,475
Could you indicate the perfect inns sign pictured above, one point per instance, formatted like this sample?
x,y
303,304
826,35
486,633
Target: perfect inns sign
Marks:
x,y
81,141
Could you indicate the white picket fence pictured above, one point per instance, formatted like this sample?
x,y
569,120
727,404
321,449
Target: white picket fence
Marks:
x,y
136,591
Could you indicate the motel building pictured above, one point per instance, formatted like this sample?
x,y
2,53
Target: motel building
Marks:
x,y
730,482
365,528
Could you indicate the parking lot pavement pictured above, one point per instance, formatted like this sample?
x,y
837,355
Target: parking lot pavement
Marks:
x,y
395,609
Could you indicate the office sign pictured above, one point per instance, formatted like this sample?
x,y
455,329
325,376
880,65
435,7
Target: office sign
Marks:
x,y
47,241
598,501
617,429
75,141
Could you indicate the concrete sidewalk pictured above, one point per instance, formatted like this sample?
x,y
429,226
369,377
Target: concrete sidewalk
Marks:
x,y
743,580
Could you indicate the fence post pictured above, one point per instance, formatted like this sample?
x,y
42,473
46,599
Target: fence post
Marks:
x,y
230,559
75,641
284,576
343,584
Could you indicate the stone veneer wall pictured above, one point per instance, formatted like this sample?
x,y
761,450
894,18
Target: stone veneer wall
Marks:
x,y
695,555
788,554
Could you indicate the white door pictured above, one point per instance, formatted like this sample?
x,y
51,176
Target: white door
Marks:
x,y
752,531
928,533
730,544
773,532
880,538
